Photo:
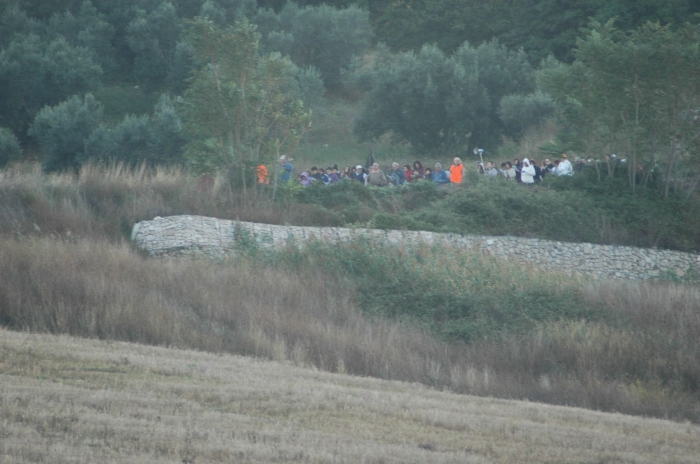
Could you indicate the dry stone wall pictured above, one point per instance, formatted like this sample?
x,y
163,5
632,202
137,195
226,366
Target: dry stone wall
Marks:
x,y
203,236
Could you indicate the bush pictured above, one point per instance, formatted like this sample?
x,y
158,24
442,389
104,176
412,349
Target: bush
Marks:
x,y
458,296
10,149
62,130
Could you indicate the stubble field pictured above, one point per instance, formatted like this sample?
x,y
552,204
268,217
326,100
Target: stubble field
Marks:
x,y
69,400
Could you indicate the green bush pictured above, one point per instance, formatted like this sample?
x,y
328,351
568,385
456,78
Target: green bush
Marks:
x,y
455,294
349,199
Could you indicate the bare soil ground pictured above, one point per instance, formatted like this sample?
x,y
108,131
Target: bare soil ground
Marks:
x,y
70,400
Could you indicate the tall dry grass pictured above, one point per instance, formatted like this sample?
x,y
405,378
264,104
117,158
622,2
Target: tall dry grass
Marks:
x,y
107,291
105,202
310,317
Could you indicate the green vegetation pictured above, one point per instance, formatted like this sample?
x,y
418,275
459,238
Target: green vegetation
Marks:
x,y
432,91
541,27
577,209
241,109
454,295
440,103
636,93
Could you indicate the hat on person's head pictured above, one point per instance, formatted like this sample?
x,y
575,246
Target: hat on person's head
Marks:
x,y
563,155
577,160
358,167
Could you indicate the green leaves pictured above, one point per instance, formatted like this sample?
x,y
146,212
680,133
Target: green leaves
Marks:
x,y
241,109
635,93
63,129
440,103
324,37
34,73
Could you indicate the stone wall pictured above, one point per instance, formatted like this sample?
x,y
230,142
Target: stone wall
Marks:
x,y
203,236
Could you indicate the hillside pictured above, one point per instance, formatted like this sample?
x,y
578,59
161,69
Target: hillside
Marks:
x,y
69,400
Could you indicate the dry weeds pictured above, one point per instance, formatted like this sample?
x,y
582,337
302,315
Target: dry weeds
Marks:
x,y
83,401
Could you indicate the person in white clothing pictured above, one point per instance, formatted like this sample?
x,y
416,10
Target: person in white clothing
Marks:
x,y
565,168
527,174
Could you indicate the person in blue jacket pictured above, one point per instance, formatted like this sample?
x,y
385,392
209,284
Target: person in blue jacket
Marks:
x,y
285,169
440,177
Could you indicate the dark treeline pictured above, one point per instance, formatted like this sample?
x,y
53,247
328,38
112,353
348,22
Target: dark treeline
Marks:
x,y
541,27
103,79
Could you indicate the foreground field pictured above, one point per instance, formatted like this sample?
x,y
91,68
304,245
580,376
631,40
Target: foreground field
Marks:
x,y
68,400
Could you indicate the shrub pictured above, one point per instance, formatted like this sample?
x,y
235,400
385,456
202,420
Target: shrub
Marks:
x,y
62,130
10,149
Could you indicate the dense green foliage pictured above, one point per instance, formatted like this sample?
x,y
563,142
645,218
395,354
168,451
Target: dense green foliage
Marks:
x,y
541,27
242,109
73,132
50,54
63,129
322,37
441,103
440,97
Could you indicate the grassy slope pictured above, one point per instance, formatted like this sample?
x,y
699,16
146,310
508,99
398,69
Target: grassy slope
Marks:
x,y
68,400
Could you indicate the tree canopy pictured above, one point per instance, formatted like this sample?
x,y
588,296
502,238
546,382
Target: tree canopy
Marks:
x,y
241,107
441,103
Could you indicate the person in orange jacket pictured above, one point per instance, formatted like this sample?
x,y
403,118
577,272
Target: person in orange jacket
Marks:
x,y
457,171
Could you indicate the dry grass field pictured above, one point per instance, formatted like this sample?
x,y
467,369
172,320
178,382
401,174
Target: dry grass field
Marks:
x,y
70,400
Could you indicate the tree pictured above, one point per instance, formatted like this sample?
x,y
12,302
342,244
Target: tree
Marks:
x,y
440,103
87,29
541,27
520,112
635,93
155,140
240,108
153,38
35,73
324,37
62,130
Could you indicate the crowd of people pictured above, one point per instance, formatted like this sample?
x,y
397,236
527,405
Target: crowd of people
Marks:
x,y
526,171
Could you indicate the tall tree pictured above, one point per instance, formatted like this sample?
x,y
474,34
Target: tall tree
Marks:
x,y
239,109
153,38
